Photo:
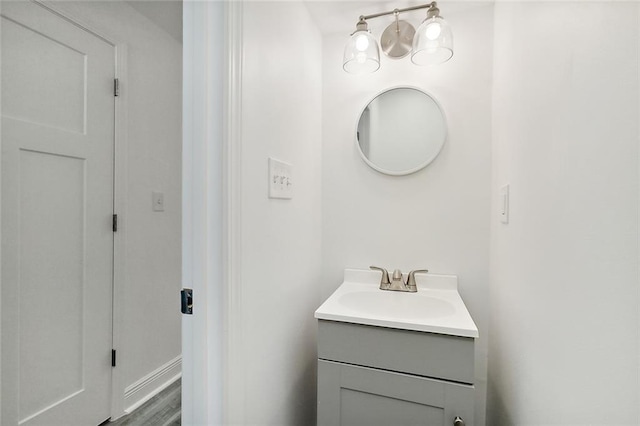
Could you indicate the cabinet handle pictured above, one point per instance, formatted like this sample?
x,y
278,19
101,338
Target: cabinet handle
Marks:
x,y
458,421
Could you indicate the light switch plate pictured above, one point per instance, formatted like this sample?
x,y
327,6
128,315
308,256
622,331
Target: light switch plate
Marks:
x,y
504,204
280,179
157,199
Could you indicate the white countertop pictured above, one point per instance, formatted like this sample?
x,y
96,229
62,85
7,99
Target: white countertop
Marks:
x,y
437,306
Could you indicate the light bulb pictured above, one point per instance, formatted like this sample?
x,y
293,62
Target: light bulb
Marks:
x,y
361,54
433,31
362,42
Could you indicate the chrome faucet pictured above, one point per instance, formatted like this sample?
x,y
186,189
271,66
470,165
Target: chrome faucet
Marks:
x,y
397,283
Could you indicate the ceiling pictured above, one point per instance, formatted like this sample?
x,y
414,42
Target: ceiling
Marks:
x,y
341,16
166,14
331,16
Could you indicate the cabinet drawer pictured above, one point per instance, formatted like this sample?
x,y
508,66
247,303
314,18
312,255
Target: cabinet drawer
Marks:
x,y
360,396
425,354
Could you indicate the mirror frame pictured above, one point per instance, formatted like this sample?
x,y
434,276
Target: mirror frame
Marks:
x,y
421,165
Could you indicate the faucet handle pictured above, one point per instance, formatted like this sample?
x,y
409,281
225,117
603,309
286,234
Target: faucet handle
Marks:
x,y
411,281
384,280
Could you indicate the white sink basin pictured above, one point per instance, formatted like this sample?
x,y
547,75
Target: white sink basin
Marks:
x,y
407,305
437,306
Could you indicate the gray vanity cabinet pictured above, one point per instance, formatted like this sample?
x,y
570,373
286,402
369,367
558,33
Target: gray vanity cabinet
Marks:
x,y
375,376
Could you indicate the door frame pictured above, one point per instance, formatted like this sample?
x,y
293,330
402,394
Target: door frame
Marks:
x,y
234,380
120,185
212,338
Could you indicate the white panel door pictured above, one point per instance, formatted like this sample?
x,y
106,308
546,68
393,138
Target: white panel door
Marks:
x,y
57,205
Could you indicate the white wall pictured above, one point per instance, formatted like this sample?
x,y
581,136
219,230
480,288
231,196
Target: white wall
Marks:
x,y
281,239
564,271
153,92
437,218
0,217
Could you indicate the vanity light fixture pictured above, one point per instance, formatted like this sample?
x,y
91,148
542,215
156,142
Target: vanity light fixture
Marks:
x,y
431,44
361,55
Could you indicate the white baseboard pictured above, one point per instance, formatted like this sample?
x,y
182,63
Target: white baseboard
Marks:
x,y
152,384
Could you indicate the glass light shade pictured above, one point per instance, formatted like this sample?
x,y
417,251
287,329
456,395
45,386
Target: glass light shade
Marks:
x,y
361,54
433,42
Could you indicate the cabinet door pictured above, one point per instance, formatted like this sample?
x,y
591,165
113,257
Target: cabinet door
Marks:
x,y
349,395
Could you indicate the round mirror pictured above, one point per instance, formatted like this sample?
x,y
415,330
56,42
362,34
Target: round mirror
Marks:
x,y
401,131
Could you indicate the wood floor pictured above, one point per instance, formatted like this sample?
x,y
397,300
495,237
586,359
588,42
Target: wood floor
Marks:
x,y
161,410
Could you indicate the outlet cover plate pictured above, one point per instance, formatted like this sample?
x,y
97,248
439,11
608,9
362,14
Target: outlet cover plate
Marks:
x,y
280,179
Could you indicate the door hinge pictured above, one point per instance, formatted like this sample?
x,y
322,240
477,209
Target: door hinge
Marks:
x,y
113,357
114,224
116,87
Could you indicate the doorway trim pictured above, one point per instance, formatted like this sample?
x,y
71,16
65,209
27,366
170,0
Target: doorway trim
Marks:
x,y
234,349
120,194
120,185
213,342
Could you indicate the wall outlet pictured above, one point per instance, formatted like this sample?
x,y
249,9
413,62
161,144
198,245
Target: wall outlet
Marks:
x,y
280,179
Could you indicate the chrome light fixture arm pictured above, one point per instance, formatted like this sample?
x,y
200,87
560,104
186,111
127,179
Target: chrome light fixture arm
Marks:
x,y
432,5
